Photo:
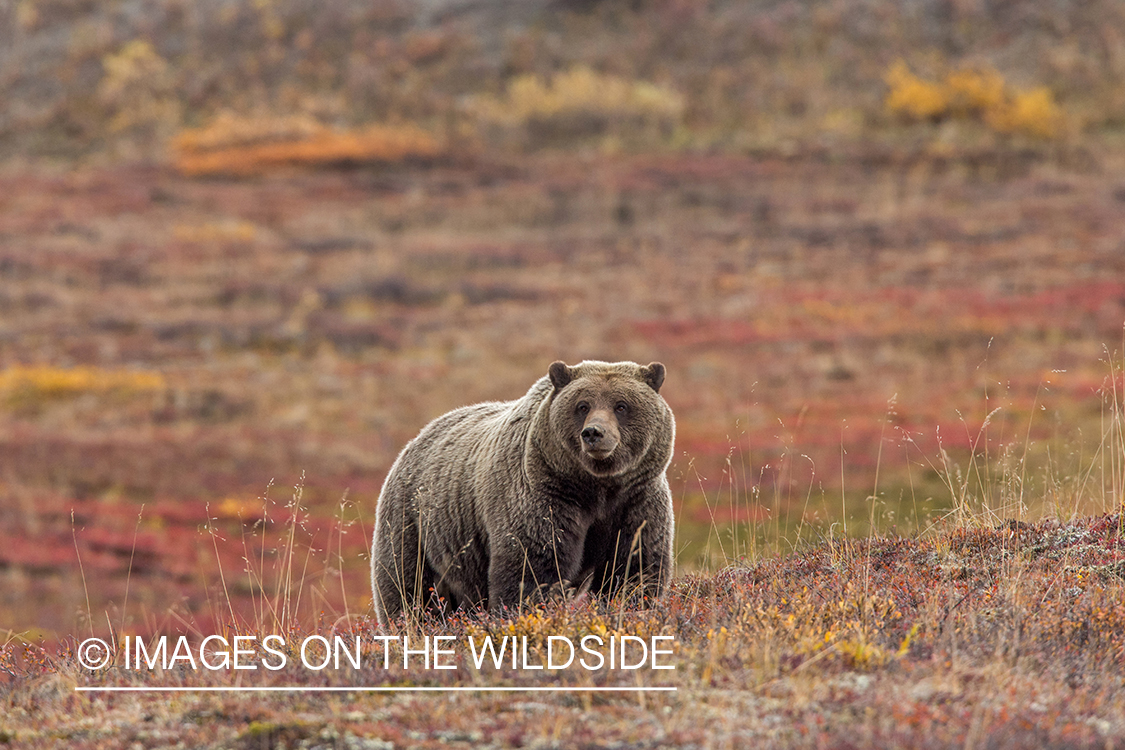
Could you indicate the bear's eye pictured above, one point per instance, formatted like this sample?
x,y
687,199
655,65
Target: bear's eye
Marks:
x,y
583,408
622,408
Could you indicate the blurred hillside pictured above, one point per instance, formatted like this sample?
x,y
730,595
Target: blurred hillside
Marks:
x,y
248,248
251,246
121,78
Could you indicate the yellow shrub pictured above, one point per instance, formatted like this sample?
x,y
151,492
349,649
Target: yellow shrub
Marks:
x,y
913,97
39,383
137,88
580,91
228,130
233,507
233,145
215,232
974,91
1031,112
973,94
859,654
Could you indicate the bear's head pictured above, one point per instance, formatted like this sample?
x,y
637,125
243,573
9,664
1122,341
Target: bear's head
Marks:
x,y
610,417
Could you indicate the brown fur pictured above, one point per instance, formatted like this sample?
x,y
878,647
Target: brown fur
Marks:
x,y
496,504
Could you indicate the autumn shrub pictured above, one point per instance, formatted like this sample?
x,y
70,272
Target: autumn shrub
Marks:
x,y
137,93
20,385
976,95
1031,112
235,145
580,103
215,232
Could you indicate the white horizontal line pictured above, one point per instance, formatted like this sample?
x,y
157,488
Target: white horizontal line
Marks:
x,y
384,689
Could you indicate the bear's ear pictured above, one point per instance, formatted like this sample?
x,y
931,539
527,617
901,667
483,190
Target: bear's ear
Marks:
x,y
560,375
653,375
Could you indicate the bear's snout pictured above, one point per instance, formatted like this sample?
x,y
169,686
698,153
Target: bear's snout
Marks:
x,y
599,436
593,435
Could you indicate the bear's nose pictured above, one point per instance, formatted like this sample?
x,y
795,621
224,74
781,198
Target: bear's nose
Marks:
x,y
592,435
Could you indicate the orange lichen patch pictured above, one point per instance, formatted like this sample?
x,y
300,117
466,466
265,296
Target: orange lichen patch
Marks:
x,y
235,146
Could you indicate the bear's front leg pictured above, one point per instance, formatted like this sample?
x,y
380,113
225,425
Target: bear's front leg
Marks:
x,y
531,568
639,561
401,576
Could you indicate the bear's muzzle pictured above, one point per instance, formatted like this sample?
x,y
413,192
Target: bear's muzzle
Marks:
x,y
599,436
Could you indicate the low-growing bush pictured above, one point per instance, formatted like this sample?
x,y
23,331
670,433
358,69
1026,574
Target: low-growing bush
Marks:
x,y
215,232
137,93
21,384
578,104
238,146
968,94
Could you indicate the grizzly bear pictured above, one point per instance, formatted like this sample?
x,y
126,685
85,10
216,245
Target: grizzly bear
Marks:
x,y
505,503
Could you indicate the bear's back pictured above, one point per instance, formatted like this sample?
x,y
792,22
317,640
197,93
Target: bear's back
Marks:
x,y
471,439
